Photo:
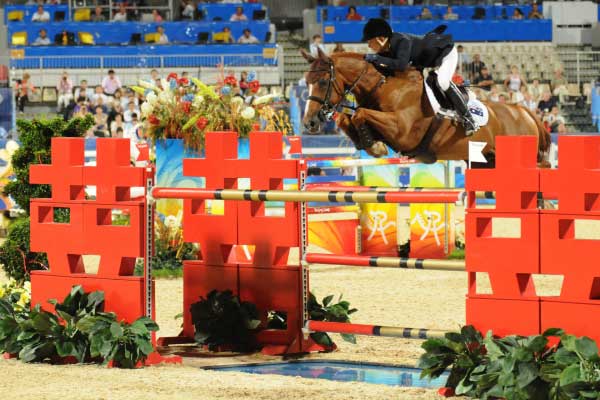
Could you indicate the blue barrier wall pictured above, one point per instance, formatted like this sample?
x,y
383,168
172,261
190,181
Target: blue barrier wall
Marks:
x,y
337,13
30,10
462,31
143,56
120,32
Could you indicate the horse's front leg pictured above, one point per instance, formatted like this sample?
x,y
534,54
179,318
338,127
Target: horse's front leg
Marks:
x,y
345,124
391,125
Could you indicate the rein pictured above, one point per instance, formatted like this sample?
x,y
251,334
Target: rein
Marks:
x,y
327,108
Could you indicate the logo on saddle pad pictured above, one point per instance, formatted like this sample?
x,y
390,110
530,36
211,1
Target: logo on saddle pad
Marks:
x,y
479,112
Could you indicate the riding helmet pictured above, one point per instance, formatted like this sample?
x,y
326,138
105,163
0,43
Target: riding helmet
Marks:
x,y
376,27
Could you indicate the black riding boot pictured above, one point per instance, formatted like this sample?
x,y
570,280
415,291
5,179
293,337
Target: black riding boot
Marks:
x,y
454,95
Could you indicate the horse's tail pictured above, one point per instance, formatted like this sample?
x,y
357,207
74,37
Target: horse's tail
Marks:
x,y
544,138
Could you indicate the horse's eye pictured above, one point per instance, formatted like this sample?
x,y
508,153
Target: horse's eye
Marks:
x,y
322,82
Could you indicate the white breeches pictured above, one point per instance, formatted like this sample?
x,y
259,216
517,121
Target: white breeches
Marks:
x,y
447,69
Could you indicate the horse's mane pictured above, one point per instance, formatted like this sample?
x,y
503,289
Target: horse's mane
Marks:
x,y
361,57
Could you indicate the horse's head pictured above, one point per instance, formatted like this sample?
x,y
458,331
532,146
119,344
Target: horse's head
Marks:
x,y
325,90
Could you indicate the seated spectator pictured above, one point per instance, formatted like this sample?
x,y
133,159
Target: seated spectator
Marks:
x,y
339,48
559,86
238,15
100,103
519,97
81,111
42,39
518,14
248,37
561,128
99,94
188,9
121,15
494,95
243,83
97,16
100,124
162,36
132,128
154,76
425,14
117,124
535,90
316,45
547,102
129,98
226,36
529,102
502,98
463,57
353,15
64,89
84,91
450,15
117,109
111,83
484,81
40,15
554,117
535,12
514,81
476,66
23,88
131,110
118,133
157,17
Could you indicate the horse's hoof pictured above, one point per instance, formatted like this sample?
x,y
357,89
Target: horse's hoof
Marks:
x,y
378,150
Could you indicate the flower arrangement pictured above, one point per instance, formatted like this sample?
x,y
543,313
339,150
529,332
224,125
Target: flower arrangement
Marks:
x,y
186,109
17,294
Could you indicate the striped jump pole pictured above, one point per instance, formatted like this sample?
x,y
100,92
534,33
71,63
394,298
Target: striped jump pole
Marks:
x,y
442,196
373,330
386,262
322,186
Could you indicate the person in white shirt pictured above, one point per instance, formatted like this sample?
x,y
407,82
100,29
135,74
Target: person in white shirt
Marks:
x,y
84,91
40,15
111,83
248,37
121,15
188,10
316,45
64,89
162,36
238,15
42,39
99,93
131,110
129,98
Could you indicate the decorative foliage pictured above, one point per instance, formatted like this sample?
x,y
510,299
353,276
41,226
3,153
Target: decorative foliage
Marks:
x,y
79,329
515,367
221,319
187,110
332,312
15,256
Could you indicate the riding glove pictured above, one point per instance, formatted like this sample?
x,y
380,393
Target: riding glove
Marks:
x,y
371,57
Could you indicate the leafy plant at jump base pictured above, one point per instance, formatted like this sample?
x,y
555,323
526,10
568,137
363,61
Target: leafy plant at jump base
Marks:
x,y
35,137
221,319
515,367
328,311
124,344
79,329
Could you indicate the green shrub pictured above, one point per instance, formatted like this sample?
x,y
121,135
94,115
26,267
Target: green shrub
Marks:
x,y
15,254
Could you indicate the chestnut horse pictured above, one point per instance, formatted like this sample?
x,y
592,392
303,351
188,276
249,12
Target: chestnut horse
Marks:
x,y
397,109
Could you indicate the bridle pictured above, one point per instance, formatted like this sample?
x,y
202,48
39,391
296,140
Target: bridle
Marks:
x,y
328,109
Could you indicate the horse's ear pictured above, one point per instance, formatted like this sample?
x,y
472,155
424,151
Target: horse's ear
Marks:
x,y
323,56
307,56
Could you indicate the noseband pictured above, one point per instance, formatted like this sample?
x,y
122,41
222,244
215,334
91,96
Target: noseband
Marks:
x,y
327,108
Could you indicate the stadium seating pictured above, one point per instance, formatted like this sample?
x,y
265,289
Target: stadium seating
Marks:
x,y
57,12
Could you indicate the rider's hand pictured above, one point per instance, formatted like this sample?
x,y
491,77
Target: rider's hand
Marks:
x,y
370,57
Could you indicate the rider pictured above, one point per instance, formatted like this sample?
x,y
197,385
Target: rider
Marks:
x,y
398,51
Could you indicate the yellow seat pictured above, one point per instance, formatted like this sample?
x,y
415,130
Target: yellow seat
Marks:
x,y
16,16
85,38
19,39
82,14
151,37
221,37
